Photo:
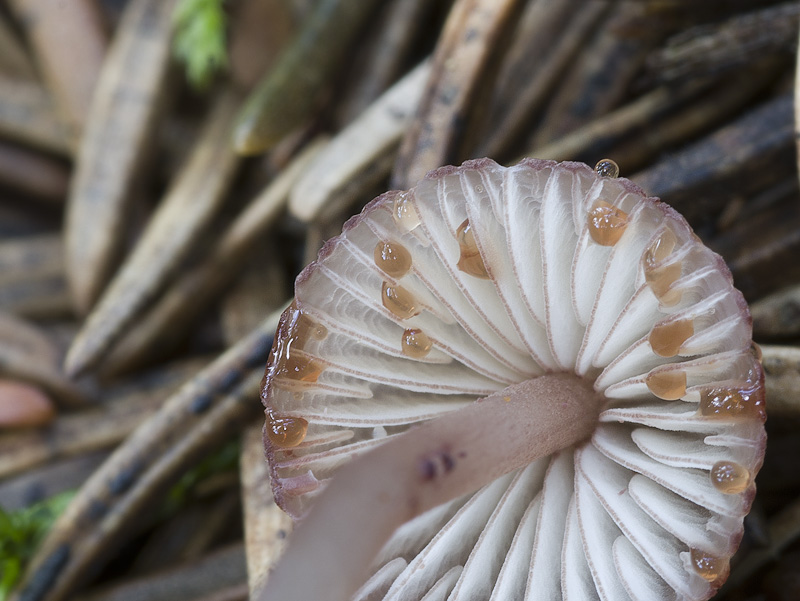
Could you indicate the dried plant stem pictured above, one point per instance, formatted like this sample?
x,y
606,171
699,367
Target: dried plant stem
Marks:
x,y
70,46
523,88
31,360
27,116
420,469
460,80
14,59
614,125
777,315
123,116
782,370
202,414
726,45
32,281
40,483
764,263
327,185
600,78
265,524
691,180
797,109
167,322
784,529
214,573
93,429
33,173
390,40
287,96
186,211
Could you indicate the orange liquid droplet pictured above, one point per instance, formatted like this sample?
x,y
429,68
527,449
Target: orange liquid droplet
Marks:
x,y
746,402
607,223
667,338
660,279
667,385
470,261
607,168
286,432
393,259
286,362
415,343
708,566
399,301
660,249
729,477
404,213
300,368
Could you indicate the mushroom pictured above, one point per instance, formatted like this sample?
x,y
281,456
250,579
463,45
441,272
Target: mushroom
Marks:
x,y
531,382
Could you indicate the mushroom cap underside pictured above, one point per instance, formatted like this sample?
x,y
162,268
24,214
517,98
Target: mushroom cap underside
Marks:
x,y
484,276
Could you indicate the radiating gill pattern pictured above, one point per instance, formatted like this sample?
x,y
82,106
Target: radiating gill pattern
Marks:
x,y
483,276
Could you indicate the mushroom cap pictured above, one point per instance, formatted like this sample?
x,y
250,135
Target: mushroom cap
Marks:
x,y
483,276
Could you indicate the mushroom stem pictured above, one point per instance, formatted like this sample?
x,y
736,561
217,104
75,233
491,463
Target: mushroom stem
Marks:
x,y
330,553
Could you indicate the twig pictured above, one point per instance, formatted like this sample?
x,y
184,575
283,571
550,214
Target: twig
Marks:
x,y
94,429
32,280
289,93
215,572
782,370
166,324
549,32
601,76
742,155
461,77
327,185
27,116
778,315
70,46
123,115
203,413
183,216
40,176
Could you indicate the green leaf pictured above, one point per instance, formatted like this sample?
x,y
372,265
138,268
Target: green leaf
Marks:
x,y
199,40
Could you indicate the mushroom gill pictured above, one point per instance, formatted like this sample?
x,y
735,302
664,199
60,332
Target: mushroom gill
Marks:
x,y
475,283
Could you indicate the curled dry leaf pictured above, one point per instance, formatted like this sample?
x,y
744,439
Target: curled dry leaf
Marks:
x,y
483,277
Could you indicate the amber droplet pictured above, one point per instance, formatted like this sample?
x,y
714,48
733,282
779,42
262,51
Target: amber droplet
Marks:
x,y
415,343
399,301
392,258
668,385
299,367
286,432
666,338
404,213
606,223
607,168
470,261
745,402
306,328
286,361
729,477
708,566
660,279
660,249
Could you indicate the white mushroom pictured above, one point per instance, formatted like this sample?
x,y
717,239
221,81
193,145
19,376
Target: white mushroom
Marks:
x,y
613,454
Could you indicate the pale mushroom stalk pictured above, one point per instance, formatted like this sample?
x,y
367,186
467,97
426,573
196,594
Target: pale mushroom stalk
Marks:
x,y
422,468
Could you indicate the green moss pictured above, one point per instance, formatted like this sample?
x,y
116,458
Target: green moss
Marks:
x,y
21,532
199,40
